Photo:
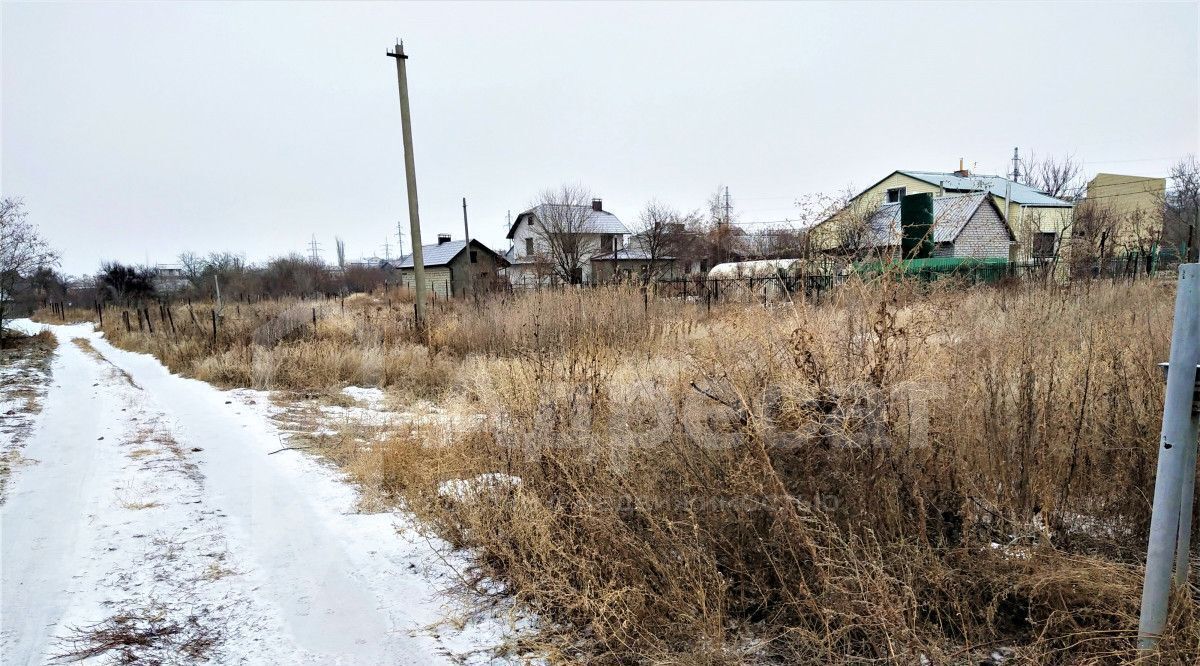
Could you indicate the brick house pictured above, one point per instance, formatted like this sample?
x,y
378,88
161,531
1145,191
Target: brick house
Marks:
x,y
1040,223
452,268
964,226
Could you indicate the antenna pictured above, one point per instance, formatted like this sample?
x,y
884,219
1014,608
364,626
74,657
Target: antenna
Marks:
x,y
726,205
1016,166
400,238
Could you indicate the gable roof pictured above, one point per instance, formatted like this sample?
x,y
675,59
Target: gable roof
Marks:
x,y
598,221
997,185
440,254
629,254
950,215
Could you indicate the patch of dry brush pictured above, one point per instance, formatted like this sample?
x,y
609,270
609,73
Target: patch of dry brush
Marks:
x,y
896,473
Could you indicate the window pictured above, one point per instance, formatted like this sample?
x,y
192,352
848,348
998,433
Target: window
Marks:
x,y
474,257
608,243
529,245
895,194
1043,244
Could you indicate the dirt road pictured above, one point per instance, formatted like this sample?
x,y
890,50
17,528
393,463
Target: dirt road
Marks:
x,y
153,509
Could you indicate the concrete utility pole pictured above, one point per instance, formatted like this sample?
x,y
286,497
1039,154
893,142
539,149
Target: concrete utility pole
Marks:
x,y
467,235
1177,450
414,217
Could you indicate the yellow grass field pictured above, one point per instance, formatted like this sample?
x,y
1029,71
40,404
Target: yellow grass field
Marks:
x,y
901,472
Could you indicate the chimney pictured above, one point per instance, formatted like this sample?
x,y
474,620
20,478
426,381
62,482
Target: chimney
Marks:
x,y
597,204
962,171
443,238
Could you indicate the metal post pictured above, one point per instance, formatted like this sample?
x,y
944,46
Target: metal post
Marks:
x,y
414,218
1173,453
1187,498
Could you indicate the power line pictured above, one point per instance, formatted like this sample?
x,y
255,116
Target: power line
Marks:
x,y
1144,159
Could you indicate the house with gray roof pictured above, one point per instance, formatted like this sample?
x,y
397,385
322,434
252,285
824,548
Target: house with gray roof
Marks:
x,y
593,232
1040,223
965,225
452,268
632,262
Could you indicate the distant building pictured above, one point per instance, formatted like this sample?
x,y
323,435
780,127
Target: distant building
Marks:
x,y
1039,222
1122,213
367,262
452,268
170,278
632,264
601,233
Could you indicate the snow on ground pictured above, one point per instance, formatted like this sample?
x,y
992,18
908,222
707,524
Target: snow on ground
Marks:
x,y
157,509
24,374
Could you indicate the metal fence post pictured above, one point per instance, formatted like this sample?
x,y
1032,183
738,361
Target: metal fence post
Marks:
x,y
1187,498
1173,453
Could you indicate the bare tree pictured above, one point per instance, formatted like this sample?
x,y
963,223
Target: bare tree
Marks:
x,y
661,234
1097,225
782,242
23,252
194,267
1061,178
1181,208
126,284
564,231
838,222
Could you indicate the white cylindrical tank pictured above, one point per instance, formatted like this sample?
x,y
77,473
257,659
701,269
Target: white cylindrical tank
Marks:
x,y
763,268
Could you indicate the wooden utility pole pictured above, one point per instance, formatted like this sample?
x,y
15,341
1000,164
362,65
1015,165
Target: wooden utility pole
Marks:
x,y
467,235
414,218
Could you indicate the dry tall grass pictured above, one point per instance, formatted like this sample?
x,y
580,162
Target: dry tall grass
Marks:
x,y
901,472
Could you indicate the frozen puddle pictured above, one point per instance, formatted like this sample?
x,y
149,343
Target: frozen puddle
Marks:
x,y
154,525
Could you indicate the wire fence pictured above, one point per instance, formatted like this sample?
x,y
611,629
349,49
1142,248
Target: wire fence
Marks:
x,y
816,286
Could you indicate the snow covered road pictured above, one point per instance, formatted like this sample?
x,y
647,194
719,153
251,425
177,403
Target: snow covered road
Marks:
x,y
154,508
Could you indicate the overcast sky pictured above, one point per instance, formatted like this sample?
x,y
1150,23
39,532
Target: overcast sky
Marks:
x,y
137,131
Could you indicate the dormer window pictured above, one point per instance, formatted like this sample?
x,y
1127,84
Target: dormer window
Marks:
x,y
895,194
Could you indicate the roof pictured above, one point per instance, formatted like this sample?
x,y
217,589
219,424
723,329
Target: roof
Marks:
x,y
438,254
629,254
950,215
598,221
997,185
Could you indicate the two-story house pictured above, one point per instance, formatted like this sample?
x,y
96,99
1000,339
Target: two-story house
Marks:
x,y
1040,223
1122,214
556,242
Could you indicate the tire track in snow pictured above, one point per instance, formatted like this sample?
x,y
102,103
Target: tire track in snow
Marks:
x,y
305,581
